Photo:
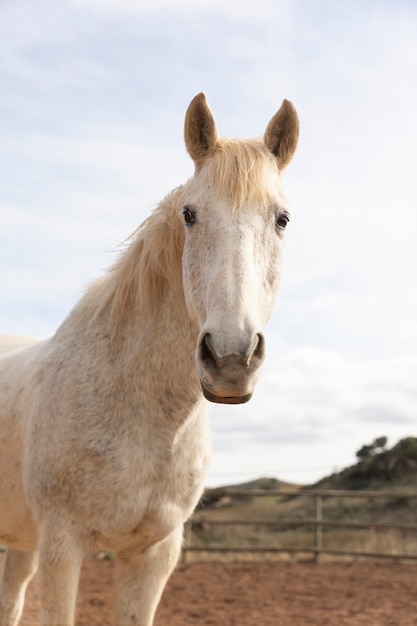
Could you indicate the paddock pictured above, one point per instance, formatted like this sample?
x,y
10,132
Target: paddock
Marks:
x,y
261,594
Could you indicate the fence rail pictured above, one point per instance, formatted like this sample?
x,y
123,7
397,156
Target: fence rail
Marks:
x,y
318,523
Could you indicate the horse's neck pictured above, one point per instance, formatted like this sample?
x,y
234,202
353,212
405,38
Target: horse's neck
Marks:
x,y
162,345
146,355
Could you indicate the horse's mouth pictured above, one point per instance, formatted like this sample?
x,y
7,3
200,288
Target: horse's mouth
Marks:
x,y
226,399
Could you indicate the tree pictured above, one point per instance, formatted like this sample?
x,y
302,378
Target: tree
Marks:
x,y
376,447
365,452
380,442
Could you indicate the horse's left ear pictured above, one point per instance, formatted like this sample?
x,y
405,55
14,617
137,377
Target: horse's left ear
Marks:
x,y
281,135
200,132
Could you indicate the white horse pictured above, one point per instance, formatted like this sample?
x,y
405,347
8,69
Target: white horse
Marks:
x,y
104,436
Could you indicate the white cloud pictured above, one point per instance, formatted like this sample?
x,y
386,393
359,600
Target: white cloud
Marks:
x,y
234,8
311,412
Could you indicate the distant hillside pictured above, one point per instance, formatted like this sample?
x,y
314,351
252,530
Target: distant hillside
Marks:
x,y
378,469
216,496
262,483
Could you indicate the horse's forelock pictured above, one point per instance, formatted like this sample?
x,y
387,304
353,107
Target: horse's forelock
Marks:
x,y
238,171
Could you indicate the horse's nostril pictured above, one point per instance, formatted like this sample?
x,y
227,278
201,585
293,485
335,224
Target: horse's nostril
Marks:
x,y
255,352
259,349
207,352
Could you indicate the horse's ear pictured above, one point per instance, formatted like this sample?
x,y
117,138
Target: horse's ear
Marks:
x,y
281,135
200,131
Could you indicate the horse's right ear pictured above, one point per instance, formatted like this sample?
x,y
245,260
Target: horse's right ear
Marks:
x,y
281,135
200,132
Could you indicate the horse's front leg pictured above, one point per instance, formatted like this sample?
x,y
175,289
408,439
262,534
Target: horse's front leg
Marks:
x,y
18,570
141,578
60,558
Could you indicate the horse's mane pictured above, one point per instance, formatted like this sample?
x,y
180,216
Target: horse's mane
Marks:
x,y
152,258
150,262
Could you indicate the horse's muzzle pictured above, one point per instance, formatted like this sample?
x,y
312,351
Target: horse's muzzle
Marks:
x,y
229,378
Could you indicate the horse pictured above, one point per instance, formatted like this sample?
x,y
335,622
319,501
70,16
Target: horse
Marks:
x,y
104,429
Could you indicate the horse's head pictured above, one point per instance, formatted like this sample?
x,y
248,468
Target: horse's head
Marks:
x,y
234,215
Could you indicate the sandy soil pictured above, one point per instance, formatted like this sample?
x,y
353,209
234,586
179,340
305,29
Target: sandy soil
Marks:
x,y
261,594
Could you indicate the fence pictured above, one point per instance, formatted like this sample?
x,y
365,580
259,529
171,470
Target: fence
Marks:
x,y
318,523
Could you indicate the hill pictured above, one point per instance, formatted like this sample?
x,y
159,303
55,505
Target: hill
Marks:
x,y
217,496
378,469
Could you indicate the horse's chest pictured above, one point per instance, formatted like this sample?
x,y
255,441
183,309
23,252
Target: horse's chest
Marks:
x,y
142,495
130,485
147,510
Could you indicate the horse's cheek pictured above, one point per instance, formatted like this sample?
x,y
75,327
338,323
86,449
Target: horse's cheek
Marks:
x,y
193,288
273,276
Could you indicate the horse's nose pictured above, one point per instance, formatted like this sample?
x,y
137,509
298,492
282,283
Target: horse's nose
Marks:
x,y
249,353
229,369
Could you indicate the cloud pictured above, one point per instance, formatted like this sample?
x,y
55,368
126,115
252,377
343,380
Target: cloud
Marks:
x,y
314,408
237,9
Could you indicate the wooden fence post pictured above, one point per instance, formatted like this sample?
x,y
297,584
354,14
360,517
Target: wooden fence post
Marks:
x,y
319,529
186,540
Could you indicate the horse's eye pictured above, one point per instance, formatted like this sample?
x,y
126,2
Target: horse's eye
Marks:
x,y
189,216
282,220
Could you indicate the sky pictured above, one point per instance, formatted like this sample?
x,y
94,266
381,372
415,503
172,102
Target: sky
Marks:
x,y
93,95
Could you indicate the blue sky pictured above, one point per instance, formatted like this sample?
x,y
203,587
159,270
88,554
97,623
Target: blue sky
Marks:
x,y
93,97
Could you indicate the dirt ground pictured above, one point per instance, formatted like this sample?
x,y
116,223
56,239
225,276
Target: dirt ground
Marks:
x,y
261,594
